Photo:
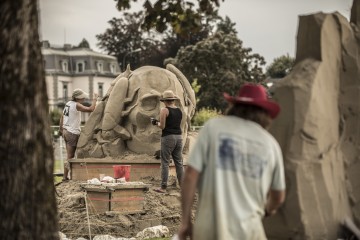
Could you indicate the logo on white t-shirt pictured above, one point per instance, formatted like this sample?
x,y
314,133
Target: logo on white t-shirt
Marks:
x,y
241,155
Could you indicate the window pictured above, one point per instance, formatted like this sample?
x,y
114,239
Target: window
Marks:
x,y
80,66
64,66
112,67
65,91
100,67
101,89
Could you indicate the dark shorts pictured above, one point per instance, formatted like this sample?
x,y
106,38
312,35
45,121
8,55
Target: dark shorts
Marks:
x,y
70,138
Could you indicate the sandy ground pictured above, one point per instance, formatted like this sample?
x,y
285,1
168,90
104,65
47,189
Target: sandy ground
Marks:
x,y
160,209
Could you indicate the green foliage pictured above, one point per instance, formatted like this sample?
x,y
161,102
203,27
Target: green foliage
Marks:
x,y
182,16
226,26
220,64
196,87
84,44
203,115
280,67
125,34
57,179
55,116
58,167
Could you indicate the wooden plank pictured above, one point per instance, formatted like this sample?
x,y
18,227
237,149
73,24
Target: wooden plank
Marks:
x,y
123,200
91,169
98,202
81,171
95,189
127,200
110,187
114,161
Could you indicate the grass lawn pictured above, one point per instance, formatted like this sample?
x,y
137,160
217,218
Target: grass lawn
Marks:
x,y
58,169
57,179
57,166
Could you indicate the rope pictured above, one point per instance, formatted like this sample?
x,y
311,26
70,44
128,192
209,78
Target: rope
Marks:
x,y
87,215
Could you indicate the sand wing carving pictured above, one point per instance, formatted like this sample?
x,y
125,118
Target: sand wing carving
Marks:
x,y
121,120
318,129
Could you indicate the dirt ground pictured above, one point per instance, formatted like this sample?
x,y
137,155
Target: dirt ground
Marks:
x,y
160,209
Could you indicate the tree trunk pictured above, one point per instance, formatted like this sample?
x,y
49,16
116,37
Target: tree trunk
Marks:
x,y
27,199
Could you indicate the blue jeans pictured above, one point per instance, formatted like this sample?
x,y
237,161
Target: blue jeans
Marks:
x,y
171,146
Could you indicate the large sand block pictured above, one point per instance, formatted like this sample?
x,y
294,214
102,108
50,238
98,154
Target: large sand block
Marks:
x,y
318,129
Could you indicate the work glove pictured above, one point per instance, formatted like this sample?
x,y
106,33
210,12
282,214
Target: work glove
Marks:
x,y
154,121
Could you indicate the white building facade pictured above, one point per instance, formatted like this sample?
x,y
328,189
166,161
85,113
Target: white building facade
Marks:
x,y
68,68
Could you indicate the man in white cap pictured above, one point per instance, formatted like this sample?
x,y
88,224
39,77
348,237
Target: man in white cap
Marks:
x,y
237,166
70,123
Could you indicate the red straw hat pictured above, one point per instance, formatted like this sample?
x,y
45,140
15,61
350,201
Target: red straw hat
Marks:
x,y
254,94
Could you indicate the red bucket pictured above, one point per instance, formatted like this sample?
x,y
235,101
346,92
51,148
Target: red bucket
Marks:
x,y
121,171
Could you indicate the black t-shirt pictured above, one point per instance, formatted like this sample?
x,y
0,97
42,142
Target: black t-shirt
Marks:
x,y
173,121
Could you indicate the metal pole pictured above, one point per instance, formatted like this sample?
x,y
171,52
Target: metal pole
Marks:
x,y
134,51
61,152
124,68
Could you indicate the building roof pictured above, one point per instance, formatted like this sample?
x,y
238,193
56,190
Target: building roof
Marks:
x,y
75,52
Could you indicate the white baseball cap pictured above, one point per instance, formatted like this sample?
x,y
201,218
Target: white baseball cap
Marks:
x,y
79,94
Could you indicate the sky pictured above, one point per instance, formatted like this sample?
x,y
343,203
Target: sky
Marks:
x,y
269,27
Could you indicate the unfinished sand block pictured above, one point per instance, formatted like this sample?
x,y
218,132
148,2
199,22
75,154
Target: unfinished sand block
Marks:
x,y
317,130
126,198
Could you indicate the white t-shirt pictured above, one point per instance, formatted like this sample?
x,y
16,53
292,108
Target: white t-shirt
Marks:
x,y
71,119
239,162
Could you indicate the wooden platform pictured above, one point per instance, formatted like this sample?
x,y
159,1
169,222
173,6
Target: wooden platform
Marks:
x,y
88,168
122,198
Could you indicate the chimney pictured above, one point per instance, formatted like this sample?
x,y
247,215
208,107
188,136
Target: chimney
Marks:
x,y
67,46
45,44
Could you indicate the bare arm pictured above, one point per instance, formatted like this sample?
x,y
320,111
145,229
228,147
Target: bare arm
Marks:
x,y
188,190
83,108
275,200
164,112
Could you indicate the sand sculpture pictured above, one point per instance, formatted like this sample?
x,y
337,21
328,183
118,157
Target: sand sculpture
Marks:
x,y
318,129
121,120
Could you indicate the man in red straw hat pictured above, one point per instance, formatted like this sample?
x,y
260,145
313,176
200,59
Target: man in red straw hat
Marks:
x,y
238,168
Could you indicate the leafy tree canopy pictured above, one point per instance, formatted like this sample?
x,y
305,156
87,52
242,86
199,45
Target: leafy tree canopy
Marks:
x,y
280,67
125,35
226,26
84,44
220,64
181,15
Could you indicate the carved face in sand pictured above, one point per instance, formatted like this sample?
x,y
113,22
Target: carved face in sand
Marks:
x,y
121,121
145,138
